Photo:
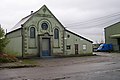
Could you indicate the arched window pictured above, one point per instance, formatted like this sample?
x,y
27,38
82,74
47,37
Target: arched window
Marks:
x,y
32,32
56,33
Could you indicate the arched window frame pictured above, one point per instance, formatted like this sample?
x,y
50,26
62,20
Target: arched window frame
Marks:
x,y
56,33
32,32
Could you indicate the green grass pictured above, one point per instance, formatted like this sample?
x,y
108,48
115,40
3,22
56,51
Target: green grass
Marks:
x,y
28,61
73,55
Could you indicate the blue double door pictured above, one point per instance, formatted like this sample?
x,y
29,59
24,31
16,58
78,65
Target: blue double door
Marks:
x,y
46,47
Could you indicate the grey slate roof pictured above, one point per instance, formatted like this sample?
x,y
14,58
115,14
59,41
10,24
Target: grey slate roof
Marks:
x,y
22,21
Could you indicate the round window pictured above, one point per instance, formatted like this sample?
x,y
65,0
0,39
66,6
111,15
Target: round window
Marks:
x,y
44,26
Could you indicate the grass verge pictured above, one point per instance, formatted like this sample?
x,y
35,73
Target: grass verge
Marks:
x,y
77,55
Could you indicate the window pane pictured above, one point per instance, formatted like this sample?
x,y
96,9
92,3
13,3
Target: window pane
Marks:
x,y
56,34
68,47
32,32
84,47
44,26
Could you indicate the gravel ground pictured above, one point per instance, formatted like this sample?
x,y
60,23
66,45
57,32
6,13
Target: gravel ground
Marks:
x,y
52,62
105,66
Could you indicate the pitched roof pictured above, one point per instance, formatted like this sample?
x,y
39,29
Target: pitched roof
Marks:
x,y
112,25
22,21
25,19
79,36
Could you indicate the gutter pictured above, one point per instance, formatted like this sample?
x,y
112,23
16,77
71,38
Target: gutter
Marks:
x,y
22,41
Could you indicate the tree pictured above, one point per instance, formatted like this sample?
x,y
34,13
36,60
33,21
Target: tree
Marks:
x,y
3,39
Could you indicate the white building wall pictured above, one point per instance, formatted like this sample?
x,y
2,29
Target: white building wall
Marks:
x,y
15,43
84,46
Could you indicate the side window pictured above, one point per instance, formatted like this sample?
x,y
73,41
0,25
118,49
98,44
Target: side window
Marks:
x,y
56,33
32,32
84,47
68,36
68,47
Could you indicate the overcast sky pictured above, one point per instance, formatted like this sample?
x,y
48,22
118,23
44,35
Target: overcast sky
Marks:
x,y
88,18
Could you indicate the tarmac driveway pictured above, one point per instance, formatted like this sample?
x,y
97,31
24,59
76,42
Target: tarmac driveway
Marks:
x,y
106,66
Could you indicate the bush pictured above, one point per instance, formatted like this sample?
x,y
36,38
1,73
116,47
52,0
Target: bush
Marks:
x,y
3,60
3,39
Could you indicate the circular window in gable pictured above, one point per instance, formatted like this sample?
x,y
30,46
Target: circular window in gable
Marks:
x,y
44,26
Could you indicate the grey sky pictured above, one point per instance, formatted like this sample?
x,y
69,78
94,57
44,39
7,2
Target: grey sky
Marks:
x,y
85,17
